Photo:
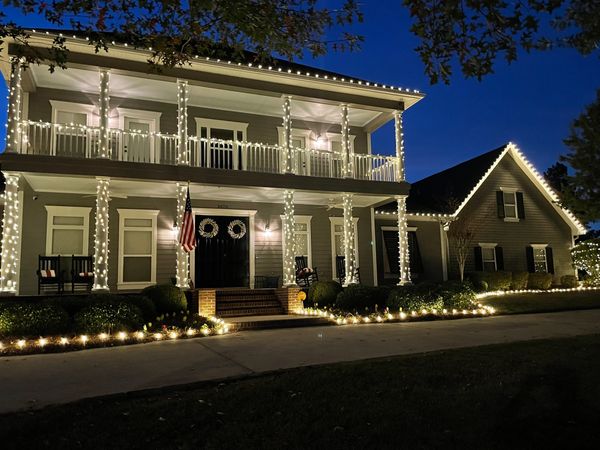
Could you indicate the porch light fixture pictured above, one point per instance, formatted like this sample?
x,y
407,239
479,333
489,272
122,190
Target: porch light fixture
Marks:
x,y
268,231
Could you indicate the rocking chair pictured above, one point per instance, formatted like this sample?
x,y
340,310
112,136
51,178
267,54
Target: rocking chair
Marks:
x,y
340,266
49,274
305,276
82,273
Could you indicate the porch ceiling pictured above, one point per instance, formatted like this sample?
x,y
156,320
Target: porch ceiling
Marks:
x,y
156,88
120,188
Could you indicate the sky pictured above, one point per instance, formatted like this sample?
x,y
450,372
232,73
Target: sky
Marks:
x,y
531,102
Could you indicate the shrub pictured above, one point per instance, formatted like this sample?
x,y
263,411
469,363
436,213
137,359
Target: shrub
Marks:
x,y
496,281
32,319
360,298
145,305
569,281
415,297
540,280
108,317
166,298
457,295
324,293
519,280
586,256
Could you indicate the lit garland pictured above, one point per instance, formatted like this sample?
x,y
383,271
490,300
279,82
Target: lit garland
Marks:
x,y
403,250
101,236
399,139
103,111
483,295
182,120
183,258
14,106
287,134
214,327
347,157
11,235
289,243
349,254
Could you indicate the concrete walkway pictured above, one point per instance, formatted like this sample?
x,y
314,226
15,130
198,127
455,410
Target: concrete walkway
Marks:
x,y
39,380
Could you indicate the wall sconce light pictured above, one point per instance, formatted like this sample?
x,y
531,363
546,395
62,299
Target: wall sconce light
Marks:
x,y
175,231
268,230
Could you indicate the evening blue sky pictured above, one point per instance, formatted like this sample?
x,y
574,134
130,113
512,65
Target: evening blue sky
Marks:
x,y
531,102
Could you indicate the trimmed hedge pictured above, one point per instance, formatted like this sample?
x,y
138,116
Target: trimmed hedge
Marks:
x,y
324,293
540,280
415,297
29,319
457,295
108,317
166,298
358,298
519,280
496,281
569,281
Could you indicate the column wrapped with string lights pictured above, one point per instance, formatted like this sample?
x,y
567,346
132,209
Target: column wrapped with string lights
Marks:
x,y
347,156
13,123
101,236
11,235
403,251
183,258
399,137
349,251
103,150
183,157
289,243
288,163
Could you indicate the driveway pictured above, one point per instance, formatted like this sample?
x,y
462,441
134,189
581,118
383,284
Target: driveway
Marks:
x,y
38,380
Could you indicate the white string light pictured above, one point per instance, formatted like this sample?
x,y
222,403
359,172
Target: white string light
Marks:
x,y
14,106
11,235
489,294
103,111
347,157
349,253
183,258
101,236
403,250
287,134
182,122
399,138
289,243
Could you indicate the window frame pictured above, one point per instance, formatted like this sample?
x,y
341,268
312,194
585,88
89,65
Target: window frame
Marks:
x,y
68,211
333,221
92,120
488,245
540,247
512,191
203,122
126,213
305,220
152,118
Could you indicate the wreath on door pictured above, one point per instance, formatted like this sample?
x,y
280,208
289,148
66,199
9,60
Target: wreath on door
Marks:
x,y
236,229
208,228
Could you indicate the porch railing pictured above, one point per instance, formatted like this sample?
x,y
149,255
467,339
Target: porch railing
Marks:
x,y
79,141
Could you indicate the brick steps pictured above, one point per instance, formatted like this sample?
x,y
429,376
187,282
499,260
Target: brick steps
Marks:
x,y
247,302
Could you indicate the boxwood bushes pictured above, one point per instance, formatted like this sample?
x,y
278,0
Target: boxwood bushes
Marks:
x,y
323,293
108,317
32,319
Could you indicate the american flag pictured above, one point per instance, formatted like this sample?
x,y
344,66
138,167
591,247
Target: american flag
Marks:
x,y
187,234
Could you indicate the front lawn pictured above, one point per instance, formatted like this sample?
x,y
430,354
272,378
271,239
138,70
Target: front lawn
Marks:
x,y
540,394
543,302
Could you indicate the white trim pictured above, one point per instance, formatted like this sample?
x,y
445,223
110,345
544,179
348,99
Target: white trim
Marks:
x,y
202,122
540,247
444,250
492,246
306,220
125,213
310,137
152,118
333,221
69,211
250,213
20,197
512,191
77,108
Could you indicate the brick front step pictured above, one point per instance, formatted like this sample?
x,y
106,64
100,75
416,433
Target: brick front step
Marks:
x,y
224,306
269,311
243,301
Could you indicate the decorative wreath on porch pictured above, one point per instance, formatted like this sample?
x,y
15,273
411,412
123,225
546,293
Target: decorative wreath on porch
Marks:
x,y
208,228
236,229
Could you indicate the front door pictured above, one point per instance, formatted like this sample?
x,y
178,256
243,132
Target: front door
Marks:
x,y
223,251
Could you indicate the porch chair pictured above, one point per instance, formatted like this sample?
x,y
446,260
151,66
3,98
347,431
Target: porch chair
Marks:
x,y
305,276
340,266
49,274
82,273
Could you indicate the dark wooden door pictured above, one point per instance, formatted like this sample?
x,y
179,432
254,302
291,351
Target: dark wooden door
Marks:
x,y
222,261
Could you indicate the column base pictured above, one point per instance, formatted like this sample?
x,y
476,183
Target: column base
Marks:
x,y
404,283
100,290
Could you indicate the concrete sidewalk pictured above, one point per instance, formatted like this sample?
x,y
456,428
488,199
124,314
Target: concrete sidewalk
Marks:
x,y
39,380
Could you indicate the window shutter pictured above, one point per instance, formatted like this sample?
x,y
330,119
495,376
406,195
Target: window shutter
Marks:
x,y
530,263
499,258
549,260
520,205
500,204
478,259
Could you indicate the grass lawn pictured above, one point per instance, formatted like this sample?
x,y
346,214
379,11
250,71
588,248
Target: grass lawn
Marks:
x,y
539,394
546,302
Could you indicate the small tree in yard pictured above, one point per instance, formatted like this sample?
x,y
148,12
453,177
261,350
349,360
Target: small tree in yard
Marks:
x,y
586,256
460,236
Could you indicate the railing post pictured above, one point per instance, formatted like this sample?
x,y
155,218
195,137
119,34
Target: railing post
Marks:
x,y
287,135
182,123
349,252
101,236
399,137
13,133
347,156
289,254
183,258
11,236
103,151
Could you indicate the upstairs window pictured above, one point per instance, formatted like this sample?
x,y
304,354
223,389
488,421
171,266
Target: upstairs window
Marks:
x,y
510,205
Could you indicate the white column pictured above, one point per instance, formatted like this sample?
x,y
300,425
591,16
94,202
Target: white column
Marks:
x,y
182,123
349,251
11,235
347,156
289,243
103,151
13,123
288,157
399,135
183,258
403,255
101,236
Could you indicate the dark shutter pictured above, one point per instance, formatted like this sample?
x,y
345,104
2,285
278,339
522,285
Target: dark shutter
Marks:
x,y
478,259
500,204
499,258
416,264
520,205
549,260
530,262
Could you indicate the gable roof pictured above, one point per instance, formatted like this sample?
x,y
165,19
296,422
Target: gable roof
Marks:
x,y
447,192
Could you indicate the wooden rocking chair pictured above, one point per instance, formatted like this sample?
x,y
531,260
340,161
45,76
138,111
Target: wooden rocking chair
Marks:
x,y
340,266
49,274
82,273
305,276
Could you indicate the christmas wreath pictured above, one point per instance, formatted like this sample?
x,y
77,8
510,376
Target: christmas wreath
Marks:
x,y
208,228
236,229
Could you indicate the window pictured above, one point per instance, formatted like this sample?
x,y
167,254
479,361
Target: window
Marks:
x,y
391,265
510,205
302,238
540,259
218,147
337,240
67,230
488,257
137,248
73,139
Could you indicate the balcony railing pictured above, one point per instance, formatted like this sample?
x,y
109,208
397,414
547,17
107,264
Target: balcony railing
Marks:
x,y
78,141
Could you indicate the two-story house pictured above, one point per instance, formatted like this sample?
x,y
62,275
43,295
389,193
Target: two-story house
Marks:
x,y
277,159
